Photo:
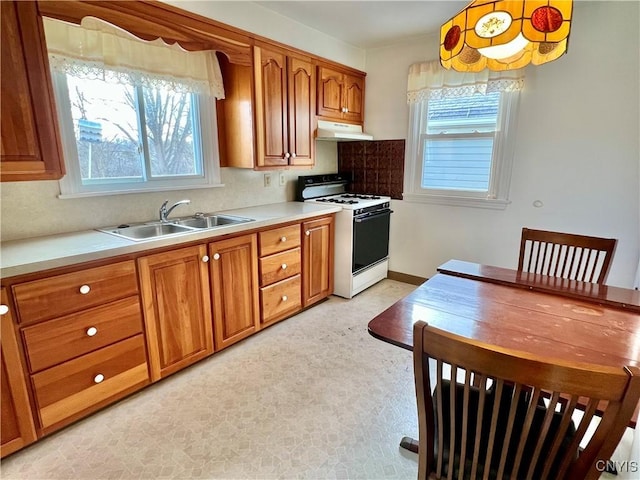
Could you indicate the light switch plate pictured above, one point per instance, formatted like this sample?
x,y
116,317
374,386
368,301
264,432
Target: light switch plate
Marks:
x,y
267,179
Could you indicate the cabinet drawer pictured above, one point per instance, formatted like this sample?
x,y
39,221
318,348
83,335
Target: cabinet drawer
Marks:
x,y
74,386
279,266
279,239
56,296
62,339
280,299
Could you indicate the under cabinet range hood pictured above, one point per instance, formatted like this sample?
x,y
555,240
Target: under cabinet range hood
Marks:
x,y
340,132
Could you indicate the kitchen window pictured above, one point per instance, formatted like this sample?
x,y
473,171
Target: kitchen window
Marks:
x,y
461,137
127,125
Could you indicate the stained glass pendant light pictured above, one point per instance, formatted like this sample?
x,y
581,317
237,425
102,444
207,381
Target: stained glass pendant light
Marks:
x,y
505,35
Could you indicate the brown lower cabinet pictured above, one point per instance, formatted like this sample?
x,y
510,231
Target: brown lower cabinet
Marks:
x,y
95,333
177,308
317,281
234,289
17,420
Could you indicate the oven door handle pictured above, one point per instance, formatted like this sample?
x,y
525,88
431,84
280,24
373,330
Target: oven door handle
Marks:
x,y
370,216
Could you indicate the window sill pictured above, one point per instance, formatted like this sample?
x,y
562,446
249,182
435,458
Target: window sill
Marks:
x,y
457,201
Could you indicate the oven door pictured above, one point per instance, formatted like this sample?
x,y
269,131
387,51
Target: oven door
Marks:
x,y
370,238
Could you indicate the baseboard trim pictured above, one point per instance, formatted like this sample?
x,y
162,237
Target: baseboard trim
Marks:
x,y
406,278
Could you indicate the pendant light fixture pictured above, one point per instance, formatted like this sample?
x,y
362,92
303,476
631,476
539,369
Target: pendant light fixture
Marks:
x,y
506,34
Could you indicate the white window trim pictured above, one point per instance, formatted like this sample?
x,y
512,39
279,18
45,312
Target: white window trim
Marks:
x,y
71,184
501,163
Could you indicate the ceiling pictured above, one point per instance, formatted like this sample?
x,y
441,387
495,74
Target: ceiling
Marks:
x,y
367,23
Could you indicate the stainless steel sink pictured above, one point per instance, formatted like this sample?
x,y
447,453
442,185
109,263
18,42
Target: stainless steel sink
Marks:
x,y
146,231
210,221
150,230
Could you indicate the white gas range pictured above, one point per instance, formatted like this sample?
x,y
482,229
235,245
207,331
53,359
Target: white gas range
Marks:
x,y
361,235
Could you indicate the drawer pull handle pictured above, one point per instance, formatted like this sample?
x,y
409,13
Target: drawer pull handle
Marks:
x,y
307,233
283,239
4,309
91,331
84,289
98,378
216,256
284,266
284,298
205,259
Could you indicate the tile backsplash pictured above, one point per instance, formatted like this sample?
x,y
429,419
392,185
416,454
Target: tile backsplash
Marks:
x,y
375,167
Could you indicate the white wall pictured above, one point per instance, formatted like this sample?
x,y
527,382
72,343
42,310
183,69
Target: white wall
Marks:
x,y
577,150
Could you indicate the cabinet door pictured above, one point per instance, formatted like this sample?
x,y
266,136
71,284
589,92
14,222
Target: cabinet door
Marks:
x,y
353,91
177,308
302,88
234,287
317,258
271,108
329,93
30,147
17,421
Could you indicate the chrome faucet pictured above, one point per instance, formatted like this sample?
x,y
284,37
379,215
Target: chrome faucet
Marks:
x,y
164,211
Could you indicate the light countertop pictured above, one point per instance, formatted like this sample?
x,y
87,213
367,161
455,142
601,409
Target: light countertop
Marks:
x,y
19,257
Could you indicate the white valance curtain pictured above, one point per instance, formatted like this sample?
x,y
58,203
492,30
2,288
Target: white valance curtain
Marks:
x,y
430,80
99,50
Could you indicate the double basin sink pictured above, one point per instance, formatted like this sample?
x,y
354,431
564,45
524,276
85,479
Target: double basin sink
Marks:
x,y
152,230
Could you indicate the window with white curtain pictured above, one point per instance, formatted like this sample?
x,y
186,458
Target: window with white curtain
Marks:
x,y
461,136
134,115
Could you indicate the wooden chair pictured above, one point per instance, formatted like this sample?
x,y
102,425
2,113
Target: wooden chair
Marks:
x,y
566,255
500,430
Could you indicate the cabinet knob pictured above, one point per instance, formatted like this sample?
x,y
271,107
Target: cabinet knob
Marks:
x,y
307,233
293,155
284,298
283,239
216,256
205,259
4,309
84,289
91,331
284,266
98,378
344,109
287,155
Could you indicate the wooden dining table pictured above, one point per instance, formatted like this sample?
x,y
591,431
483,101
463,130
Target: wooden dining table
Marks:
x,y
555,318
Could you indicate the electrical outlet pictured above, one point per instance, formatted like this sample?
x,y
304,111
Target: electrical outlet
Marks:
x,y
267,179
282,179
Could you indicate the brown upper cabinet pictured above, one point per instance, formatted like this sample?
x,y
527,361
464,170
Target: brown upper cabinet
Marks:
x,y
340,95
285,120
30,147
267,119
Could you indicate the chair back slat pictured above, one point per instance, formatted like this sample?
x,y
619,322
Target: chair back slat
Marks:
x,y
465,421
494,413
499,384
452,420
566,255
544,431
567,414
440,417
532,405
